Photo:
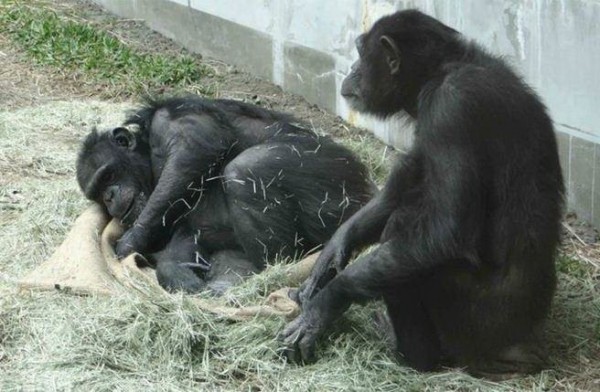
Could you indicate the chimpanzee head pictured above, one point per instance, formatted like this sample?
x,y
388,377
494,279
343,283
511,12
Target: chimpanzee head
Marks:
x,y
397,57
114,170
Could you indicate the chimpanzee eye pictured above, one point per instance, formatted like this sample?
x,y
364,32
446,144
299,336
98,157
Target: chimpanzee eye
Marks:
x,y
359,42
108,177
122,141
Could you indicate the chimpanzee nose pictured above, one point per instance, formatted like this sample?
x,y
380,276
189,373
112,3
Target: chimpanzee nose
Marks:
x,y
109,195
347,89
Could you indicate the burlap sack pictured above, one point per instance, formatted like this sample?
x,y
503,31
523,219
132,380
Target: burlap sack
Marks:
x,y
85,263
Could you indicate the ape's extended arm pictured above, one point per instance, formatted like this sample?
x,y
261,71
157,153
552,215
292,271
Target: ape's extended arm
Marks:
x,y
187,154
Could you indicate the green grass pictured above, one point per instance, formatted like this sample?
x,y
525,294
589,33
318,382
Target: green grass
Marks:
x,y
53,39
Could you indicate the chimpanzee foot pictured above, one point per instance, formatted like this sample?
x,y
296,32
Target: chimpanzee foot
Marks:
x,y
175,277
511,362
383,324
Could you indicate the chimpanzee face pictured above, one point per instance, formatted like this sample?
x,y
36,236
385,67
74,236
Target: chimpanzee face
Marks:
x,y
114,170
351,86
371,86
397,56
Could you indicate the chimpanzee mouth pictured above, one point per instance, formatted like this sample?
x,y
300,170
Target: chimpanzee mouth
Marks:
x,y
128,211
348,94
354,102
134,209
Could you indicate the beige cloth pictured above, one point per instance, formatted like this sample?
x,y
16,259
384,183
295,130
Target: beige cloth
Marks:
x,y
85,263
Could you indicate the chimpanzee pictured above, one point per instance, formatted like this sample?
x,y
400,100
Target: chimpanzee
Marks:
x,y
467,223
210,189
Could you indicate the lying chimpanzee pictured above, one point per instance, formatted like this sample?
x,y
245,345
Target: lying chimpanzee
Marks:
x,y
210,189
468,223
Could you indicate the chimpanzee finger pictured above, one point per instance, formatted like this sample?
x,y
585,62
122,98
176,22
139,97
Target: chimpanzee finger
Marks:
x,y
294,295
292,354
307,290
289,329
123,249
290,337
306,347
314,284
197,266
338,262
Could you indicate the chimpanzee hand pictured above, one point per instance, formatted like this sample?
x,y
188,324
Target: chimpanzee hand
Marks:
x,y
299,336
133,240
332,260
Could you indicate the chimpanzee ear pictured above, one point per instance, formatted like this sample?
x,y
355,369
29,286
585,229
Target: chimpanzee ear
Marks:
x,y
123,138
392,53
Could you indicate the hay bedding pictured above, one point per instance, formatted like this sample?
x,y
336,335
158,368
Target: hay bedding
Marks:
x,y
85,263
42,336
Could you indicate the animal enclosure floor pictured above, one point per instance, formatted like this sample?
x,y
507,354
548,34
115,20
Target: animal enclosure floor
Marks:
x,y
153,341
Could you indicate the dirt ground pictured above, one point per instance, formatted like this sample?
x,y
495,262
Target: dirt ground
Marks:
x,y
25,85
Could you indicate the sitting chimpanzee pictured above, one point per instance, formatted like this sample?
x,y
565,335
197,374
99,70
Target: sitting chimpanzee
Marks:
x,y
468,223
210,189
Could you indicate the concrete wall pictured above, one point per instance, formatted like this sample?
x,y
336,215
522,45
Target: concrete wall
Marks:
x,y
307,46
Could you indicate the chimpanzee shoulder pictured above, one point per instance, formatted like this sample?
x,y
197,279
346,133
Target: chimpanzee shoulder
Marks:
x,y
176,107
235,108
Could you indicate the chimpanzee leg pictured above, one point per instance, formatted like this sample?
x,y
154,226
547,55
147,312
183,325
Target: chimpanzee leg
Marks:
x,y
176,263
229,267
370,276
264,213
415,335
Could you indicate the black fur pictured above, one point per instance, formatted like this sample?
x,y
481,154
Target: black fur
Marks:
x,y
217,180
468,222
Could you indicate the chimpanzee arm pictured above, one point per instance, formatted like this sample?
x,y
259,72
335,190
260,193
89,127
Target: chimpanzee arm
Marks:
x,y
194,149
364,227
452,203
